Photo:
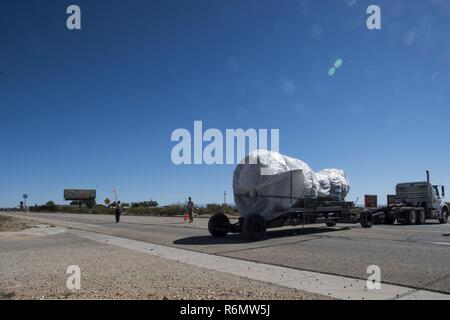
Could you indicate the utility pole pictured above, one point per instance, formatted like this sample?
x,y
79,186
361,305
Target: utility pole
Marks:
x,y
224,197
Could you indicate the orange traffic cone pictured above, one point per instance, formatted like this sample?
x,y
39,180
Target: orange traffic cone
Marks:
x,y
186,217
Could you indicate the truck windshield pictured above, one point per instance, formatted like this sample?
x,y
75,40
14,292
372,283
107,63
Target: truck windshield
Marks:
x,y
436,191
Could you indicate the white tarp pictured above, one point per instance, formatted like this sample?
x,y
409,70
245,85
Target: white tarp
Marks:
x,y
267,182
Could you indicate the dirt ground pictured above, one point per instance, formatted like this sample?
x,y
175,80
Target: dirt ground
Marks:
x,y
14,224
34,259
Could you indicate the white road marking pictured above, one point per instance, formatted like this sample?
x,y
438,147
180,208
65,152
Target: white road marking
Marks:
x,y
439,243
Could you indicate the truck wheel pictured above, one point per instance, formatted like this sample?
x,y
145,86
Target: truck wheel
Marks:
x,y
254,227
366,219
218,224
331,224
420,217
444,218
410,217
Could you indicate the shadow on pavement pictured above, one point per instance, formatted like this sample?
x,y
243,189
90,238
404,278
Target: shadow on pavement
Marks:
x,y
234,238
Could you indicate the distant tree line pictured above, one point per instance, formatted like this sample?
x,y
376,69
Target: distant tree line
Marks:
x,y
149,208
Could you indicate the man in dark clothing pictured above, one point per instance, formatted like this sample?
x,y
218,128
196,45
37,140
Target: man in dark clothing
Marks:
x,y
118,211
190,206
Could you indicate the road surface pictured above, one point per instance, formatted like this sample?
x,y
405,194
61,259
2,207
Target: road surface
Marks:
x,y
412,256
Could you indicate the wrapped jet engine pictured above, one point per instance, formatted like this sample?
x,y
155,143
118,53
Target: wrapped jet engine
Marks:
x,y
268,183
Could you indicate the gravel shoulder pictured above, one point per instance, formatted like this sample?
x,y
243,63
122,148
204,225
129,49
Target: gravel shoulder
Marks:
x,y
34,267
14,224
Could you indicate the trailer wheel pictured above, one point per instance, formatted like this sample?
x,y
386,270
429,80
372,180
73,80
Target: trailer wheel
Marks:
x,y
331,224
444,218
217,225
254,227
420,217
366,219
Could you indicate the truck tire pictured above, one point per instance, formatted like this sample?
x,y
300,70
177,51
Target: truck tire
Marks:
x,y
366,219
254,227
331,224
444,218
409,217
218,224
420,217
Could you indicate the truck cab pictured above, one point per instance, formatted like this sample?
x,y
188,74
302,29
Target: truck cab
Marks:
x,y
423,197
438,197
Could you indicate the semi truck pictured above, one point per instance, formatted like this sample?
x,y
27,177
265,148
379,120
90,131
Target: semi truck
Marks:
x,y
413,203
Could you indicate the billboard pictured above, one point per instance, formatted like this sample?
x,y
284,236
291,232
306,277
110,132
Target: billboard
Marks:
x,y
370,201
79,194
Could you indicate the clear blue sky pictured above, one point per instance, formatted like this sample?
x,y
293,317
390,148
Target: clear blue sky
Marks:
x,y
95,108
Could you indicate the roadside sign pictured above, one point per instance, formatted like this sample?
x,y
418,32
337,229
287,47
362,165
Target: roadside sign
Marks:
x,y
25,196
79,194
391,199
370,201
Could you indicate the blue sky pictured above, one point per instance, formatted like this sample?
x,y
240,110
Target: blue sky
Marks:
x,y
96,108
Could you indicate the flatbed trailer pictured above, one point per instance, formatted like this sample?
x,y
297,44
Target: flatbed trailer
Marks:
x,y
304,212
407,215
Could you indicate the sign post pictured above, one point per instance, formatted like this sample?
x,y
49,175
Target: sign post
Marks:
x,y
25,197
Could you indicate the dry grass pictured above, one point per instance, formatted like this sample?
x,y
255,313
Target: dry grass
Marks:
x,y
13,224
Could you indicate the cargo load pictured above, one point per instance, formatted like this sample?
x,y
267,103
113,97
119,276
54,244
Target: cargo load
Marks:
x,y
267,183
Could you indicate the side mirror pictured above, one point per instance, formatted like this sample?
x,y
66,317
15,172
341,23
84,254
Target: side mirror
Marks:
x,y
443,191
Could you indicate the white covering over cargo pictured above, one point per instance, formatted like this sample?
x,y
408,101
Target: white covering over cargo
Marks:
x,y
267,182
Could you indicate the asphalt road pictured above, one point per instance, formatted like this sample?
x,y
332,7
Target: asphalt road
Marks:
x,y
413,256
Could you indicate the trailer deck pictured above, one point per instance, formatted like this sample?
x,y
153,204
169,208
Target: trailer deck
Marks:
x,y
305,211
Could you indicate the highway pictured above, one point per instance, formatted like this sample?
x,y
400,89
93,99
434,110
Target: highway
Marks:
x,y
413,256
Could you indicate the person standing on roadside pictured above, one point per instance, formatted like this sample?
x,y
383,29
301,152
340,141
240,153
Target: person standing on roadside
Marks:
x,y
190,206
118,211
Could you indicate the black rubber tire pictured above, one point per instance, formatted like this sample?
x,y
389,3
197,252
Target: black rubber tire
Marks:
x,y
216,225
420,217
331,224
366,219
254,227
410,217
444,220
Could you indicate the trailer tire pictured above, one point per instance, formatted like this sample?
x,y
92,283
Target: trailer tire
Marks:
x,y
254,227
420,217
366,219
331,224
217,225
444,218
